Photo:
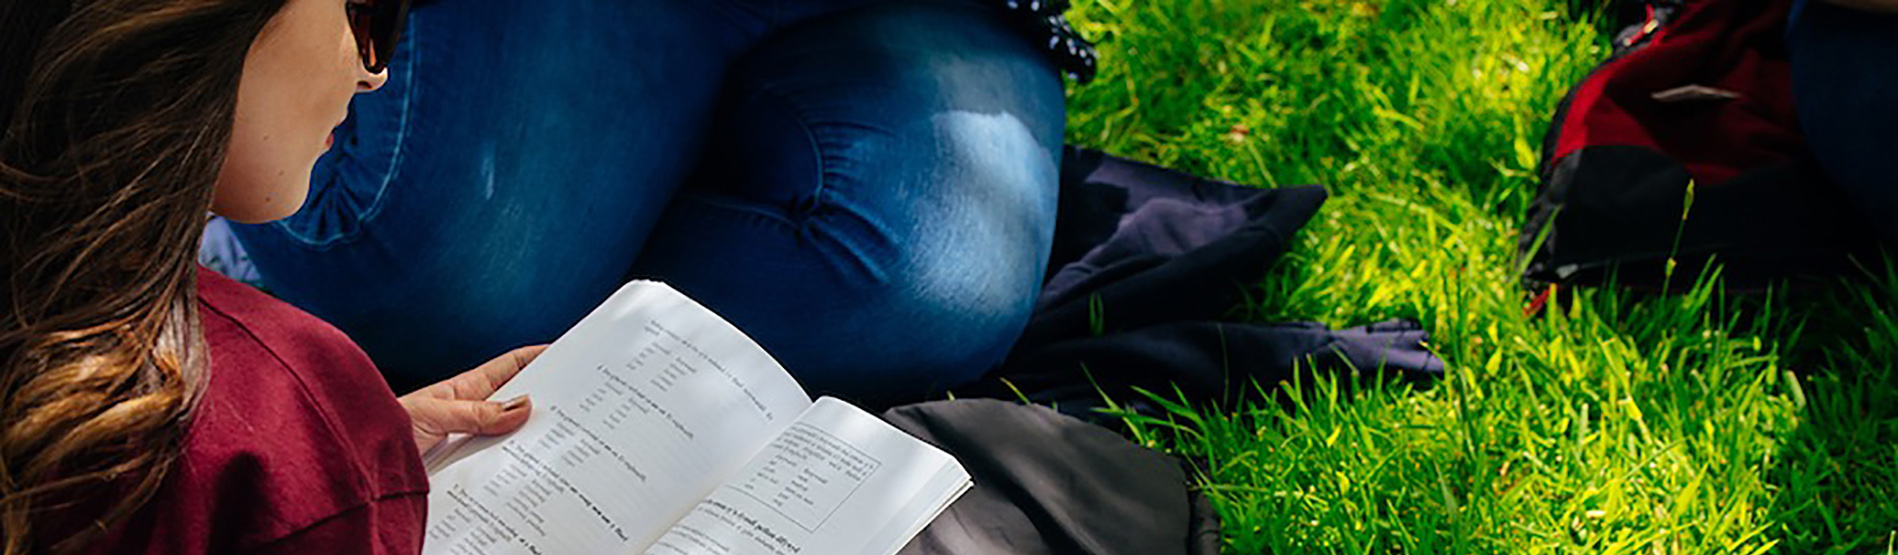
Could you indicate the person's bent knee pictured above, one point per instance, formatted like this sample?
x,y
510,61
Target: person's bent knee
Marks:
x,y
917,337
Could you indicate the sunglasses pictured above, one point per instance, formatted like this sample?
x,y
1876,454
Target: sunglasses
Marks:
x,y
377,25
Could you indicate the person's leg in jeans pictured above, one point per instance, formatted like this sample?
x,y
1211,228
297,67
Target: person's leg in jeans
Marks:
x,y
498,187
1845,80
877,201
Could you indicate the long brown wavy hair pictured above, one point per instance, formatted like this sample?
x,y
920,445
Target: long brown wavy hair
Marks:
x,y
115,116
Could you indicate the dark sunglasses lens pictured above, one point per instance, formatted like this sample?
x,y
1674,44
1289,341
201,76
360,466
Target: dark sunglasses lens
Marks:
x,y
391,17
378,27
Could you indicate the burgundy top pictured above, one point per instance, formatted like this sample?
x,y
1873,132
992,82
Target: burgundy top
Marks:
x,y
297,447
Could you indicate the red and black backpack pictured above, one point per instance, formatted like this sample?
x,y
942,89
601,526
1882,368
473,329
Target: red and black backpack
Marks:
x,y
1685,145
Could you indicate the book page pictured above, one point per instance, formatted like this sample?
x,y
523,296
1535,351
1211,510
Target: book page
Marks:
x,y
837,481
639,411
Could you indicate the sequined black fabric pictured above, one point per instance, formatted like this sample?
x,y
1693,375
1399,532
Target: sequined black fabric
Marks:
x,y
1047,25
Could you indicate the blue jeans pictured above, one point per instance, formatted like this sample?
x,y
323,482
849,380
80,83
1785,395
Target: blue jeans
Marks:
x,y
866,188
1845,81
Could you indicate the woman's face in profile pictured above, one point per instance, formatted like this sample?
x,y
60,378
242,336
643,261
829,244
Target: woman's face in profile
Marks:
x,y
297,81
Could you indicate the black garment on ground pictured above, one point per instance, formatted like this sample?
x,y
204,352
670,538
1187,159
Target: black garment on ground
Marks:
x,y
1146,263
1046,483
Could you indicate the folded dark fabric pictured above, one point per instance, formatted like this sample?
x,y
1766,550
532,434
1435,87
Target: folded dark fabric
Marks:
x,y
1046,483
1147,262
1146,265
1148,245
1209,362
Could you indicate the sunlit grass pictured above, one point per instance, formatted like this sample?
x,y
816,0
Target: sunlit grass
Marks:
x,y
1694,423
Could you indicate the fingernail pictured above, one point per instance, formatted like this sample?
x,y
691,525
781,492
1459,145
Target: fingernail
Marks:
x,y
515,403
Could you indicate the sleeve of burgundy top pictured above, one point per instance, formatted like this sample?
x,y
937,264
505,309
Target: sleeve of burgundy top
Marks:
x,y
387,526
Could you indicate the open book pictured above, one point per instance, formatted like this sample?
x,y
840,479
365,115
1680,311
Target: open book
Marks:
x,y
659,428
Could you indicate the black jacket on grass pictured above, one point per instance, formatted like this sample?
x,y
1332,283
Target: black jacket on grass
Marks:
x,y
1147,264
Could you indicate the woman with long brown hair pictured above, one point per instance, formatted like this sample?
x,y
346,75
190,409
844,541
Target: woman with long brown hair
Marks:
x,y
147,405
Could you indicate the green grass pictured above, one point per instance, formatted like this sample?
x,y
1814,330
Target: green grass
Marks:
x,y
1700,422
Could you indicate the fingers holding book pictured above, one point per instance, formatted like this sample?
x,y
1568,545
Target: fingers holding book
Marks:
x,y
459,405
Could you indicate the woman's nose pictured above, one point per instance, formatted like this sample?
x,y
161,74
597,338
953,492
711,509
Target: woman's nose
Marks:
x,y
372,81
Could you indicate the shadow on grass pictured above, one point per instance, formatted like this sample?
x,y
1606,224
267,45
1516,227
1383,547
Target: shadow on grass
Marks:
x,y
1837,472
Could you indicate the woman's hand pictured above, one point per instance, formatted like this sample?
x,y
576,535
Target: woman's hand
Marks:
x,y
458,405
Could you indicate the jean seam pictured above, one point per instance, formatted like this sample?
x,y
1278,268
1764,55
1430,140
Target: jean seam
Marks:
x,y
811,232
711,202
818,154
